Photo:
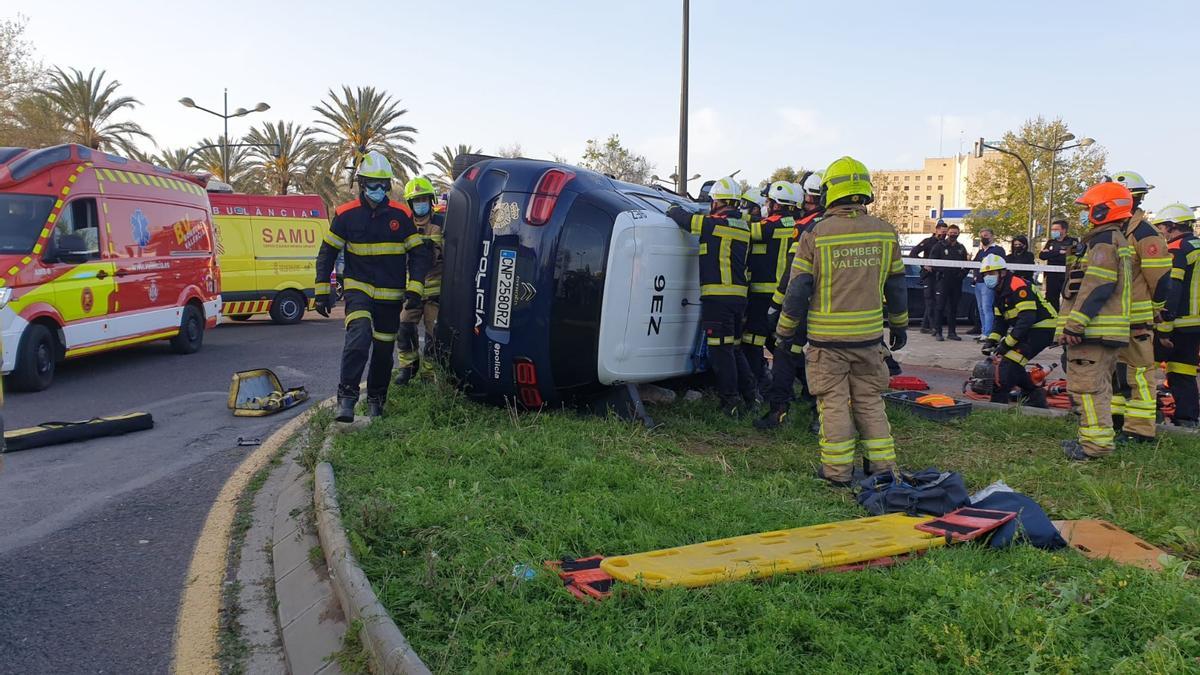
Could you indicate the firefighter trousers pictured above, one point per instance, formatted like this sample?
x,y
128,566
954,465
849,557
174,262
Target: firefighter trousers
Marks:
x,y
1011,370
848,383
371,327
721,321
1134,392
756,334
1089,381
1181,360
408,343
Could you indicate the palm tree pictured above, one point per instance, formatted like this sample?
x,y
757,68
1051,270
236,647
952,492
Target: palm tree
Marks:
x,y
87,102
444,163
175,159
212,159
366,119
281,153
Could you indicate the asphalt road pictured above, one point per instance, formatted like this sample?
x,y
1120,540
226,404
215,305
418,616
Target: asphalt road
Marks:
x,y
96,537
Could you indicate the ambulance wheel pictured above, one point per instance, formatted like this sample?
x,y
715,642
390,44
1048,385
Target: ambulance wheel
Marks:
x,y
288,307
191,331
36,354
240,317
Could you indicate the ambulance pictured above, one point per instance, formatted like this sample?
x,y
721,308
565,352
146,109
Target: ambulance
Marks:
x,y
99,252
267,250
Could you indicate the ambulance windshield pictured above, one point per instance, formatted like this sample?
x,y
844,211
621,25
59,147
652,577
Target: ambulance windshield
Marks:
x,y
22,218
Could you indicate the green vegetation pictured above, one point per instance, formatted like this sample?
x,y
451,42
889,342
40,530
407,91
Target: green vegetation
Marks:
x,y
443,498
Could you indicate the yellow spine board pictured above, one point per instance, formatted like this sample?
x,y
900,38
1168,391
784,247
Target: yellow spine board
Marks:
x,y
779,552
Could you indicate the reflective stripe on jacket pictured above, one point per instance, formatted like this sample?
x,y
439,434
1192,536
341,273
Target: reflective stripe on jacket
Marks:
x,y
1097,297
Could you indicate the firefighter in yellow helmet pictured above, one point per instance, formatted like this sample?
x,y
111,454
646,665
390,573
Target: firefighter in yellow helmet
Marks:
x,y
724,245
1093,321
386,259
419,196
846,267
1134,390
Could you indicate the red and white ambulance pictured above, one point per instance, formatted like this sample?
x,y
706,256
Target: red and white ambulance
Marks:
x,y
99,252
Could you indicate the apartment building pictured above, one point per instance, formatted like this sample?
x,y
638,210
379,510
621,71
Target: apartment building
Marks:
x,y
913,198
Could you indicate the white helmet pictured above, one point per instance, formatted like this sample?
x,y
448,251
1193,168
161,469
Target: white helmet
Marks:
x,y
1174,213
725,188
375,165
992,263
786,193
1132,180
812,184
755,195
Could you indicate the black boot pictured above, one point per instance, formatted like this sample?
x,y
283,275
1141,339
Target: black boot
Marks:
x,y
375,406
405,373
1037,398
345,411
774,417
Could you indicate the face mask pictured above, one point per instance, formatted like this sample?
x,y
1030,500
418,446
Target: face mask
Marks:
x,y
952,238
985,240
1018,247
1083,218
375,195
1056,234
991,281
421,208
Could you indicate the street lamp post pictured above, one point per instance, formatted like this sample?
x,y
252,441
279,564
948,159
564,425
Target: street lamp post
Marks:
x,y
187,102
681,171
981,144
1055,148
226,146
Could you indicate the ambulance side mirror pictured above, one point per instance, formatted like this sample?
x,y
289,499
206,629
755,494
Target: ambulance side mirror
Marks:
x,y
71,248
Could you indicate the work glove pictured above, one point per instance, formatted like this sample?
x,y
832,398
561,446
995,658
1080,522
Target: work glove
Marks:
x,y
1001,349
988,347
412,300
898,337
322,304
772,318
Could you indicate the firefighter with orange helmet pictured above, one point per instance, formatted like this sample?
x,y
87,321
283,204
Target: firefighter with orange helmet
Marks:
x,y
1093,322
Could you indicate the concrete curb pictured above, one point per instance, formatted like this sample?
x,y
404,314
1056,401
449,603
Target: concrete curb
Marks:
x,y
387,647
1059,412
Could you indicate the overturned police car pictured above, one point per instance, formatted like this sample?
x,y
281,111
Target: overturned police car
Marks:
x,y
561,283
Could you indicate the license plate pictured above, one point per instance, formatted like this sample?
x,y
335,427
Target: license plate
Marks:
x,y
506,278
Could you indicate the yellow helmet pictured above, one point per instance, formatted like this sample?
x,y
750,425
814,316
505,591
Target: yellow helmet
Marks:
x,y
418,187
992,263
754,195
1174,213
375,165
846,177
725,188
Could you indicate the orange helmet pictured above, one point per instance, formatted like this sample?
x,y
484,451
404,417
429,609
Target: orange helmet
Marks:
x,y
1107,202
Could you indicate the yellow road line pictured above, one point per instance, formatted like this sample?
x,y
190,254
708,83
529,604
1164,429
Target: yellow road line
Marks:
x,y
199,611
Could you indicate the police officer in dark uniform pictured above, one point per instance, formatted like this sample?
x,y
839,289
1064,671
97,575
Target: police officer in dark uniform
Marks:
x,y
381,246
1055,252
724,247
949,284
924,249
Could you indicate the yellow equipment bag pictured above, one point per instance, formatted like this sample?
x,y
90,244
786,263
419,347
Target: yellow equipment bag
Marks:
x,y
769,553
258,392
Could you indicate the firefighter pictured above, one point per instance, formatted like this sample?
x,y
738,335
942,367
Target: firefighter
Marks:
x,y
419,195
1024,326
845,267
787,361
724,246
386,257
770,239
753,203
1179,332
1134,398
1093,324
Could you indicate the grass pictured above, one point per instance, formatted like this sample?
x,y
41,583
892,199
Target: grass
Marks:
x,y
443,498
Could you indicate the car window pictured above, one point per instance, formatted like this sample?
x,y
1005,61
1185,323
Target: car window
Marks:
x,y
21,220
79,218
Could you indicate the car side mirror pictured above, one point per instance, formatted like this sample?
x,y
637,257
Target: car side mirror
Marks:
x,y
71,248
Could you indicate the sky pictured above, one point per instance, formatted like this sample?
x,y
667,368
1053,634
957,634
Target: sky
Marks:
x,y
772,83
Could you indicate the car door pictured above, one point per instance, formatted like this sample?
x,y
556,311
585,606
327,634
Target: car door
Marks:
x,y
84,279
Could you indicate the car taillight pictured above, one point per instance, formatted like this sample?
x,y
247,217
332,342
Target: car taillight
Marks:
x,y
525,373
472,173
545,196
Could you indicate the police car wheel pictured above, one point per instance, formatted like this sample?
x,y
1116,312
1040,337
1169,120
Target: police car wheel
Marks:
x,y
36,358
191,332
288,307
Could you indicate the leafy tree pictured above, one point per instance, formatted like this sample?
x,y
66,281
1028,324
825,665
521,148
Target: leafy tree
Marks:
x,y
511,151
443,162
889,203
785,173
87,103
280,155
364,119
33,122
613,159
20,76
323,177
999,192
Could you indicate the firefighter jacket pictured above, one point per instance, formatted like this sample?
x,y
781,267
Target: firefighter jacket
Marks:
x,y
1097,295
1020,310
804,224
845,267
1151,268
382,247
770,239
431,229
1183,299
724,247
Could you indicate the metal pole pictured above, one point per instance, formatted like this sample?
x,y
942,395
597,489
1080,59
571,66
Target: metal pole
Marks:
x,y
1053,165
1028,179
682,171
225,139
